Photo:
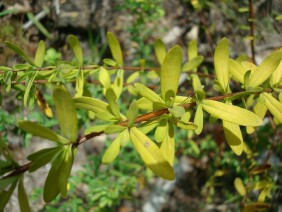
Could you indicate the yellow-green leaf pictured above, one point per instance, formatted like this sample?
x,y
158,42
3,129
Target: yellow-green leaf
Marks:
x,y
40,53
221,60
28,87
79,83
167,146
104,78
160,50
76,48
151,154
192,64
118,83
148,93
236,70
23,200
113,150
274,106
199,119
92,104
238,183
66,112
231,113
170,72
233,136
40,131
176,111
161,131
265,69
115,48
132,113
192,50
276,75
113,106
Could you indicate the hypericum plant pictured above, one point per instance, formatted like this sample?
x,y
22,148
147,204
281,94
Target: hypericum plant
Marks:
x,y
165,109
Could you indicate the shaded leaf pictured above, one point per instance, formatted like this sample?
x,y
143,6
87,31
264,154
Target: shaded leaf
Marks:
x,y
76,48
168,146
79,83
186,125
115,48
22,196
28,87
233,136
5,195
113,150
41,131
231,113
7,181
151,154
161,130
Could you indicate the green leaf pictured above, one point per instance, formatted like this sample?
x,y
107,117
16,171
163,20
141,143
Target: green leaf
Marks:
x,y
118,83
160,50
199,119
148,93
66,112
28,87
40,53
193,63
110,129
88,103
186,125
192,50
170,72
265,69
7,181
132,113
76,48
221,60
236,70
22,196
274,106
238,183
176,111
160,131
104,78
114,107
233,136
276,75
231,113
113,150
43,157
151,154
168,146
115,48
96,129
40,131
19,51
5,195
79,83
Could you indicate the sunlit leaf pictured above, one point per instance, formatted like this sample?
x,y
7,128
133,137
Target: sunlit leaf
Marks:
x,y
104,78
231,113
88,103
238,183
148,93
79,83
160,50
41,131
236,70
43,104
76,48
274,106
265,69
66,113
176,111
118,83
110,129
199,119
221,60
114,107
113,150
160,131
170,72
115,48
40,53
192,50
132,113
19,51
22,196
186,125
233,136
192,64
28,87
151,154
277,74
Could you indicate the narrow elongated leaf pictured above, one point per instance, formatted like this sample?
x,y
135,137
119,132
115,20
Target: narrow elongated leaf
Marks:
x,y
19,51
193,63
115,48
274,106
118,83
66,112
167,146
5,68
88,103
76,48
132,113
277,74
7,181
170,72
199,119
160,132
79,83
41,131
40,53
265,69
113,150
192,50
151,154
238,183
233,136
236,70
28,88
113,106
221,60
231,113
110,129
148,93
160,50
186,125
22,196
5,195
104,78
